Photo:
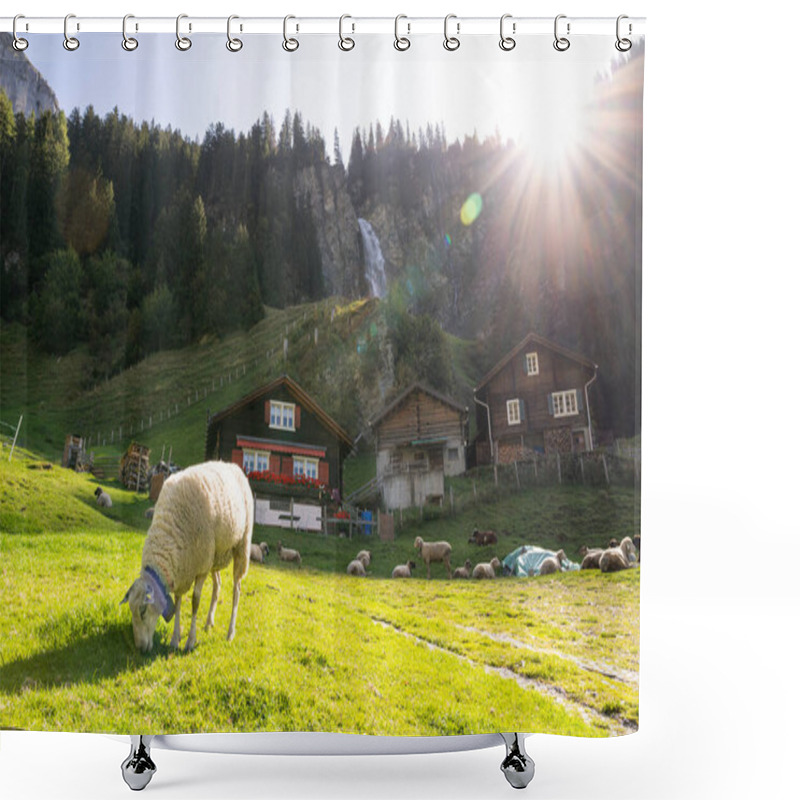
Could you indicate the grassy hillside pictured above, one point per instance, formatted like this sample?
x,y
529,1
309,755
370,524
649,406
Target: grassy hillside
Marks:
x,y
314,650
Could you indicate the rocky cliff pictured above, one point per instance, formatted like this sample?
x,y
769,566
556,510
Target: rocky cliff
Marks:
x,y
28,91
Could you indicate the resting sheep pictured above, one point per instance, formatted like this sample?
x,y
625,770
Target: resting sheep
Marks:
x,y
287,554
434,551
258,552
591,558
482,537
484,570
552,563
403,570
615,559
463,572
203,520
103,498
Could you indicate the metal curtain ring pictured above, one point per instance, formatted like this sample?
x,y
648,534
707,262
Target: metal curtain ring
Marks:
x,y
19,43
128,42
623,45
451,42
561,43
290,45
234,45
183,43
401,43
506,42
345,42
70,42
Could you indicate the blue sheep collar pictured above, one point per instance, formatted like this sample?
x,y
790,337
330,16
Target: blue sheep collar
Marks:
x,y
161,595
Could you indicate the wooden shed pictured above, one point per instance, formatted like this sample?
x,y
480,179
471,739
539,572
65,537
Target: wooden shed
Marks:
x,y
420,438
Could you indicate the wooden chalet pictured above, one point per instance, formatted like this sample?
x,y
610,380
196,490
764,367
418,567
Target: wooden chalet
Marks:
x,y
290,448
420,438
536,399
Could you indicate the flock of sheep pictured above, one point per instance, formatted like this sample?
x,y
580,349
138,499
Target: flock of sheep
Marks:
x,y
203,521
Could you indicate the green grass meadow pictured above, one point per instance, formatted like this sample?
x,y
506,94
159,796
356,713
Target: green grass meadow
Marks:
x,y
315,650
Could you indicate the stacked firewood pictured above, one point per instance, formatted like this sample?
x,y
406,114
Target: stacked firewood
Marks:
x,y
134,466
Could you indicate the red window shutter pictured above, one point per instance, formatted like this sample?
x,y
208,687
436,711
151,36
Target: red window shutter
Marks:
x,y
296,417
274,464
266,412
288,465
237,456
324,472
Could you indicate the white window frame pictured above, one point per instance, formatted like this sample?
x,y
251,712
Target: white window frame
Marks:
x,y
281,415
303,464
565,404
255,456
532,363
513,412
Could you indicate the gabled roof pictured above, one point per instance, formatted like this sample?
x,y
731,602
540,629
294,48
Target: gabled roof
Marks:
x,y
422,388
299,394
534,339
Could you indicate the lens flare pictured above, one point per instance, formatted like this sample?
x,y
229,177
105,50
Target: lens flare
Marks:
x,y
447,240
471,209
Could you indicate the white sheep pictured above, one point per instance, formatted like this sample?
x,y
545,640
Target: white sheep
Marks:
x,y
365,557
287,554
403,570
258,552
356,567
203,520
552,563
434,551
591,557
618,558
463,572
484,570
103,498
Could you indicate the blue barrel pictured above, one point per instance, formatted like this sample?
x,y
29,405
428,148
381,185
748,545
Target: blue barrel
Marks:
x,y
366,517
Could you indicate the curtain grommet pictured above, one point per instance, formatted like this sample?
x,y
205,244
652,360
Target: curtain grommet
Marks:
x,y
71,43
507,43
183,43
401,43
561,43
451,43
19,44
623,44
346,43
128,42
290,44
233,44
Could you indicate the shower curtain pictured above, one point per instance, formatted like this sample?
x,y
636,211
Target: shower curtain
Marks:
x,y
395,285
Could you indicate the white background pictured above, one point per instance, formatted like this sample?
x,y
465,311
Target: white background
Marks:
x,y
720,610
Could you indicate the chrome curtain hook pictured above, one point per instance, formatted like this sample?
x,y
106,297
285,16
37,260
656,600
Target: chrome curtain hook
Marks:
x,y
70,42
290,45
506,42
183,43
128,42
401,43
451,42
345,42
234,45
623,45
561,43
19,44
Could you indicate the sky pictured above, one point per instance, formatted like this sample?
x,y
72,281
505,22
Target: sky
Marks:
x,y
477,88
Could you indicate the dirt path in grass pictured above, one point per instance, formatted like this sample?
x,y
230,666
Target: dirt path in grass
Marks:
x,y
589,715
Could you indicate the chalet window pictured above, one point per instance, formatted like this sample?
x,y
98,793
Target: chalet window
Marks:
x,y
281,415
306,466
452,454
513,412
565,404
255,461
532,363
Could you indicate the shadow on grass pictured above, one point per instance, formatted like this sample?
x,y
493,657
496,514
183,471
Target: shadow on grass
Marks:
x,y
85,659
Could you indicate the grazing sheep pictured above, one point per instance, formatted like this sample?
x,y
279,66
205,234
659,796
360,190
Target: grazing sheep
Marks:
x,y
258,552
203,521
463,572
484,570
356,567
615,559
552,563
482,537
103,498
287,554
403,570
434,551
364,556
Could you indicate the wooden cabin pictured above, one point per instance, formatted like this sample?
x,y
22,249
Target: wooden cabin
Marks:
x,y
420,438
536,399
291,449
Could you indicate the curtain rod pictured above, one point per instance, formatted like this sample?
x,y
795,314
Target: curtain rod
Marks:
x,y
407,25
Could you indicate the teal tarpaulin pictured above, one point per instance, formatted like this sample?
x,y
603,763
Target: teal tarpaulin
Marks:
x,y
525,561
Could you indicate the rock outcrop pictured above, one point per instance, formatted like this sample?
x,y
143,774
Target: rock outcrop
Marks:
x,y
28,91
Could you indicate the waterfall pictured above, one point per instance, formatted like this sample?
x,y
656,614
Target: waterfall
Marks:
x,y
374,264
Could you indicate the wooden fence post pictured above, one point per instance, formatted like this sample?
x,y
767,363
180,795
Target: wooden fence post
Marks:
x,y
558,464
516,472
583,474
605,469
